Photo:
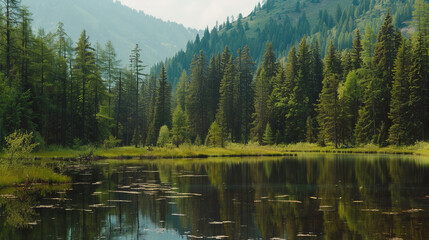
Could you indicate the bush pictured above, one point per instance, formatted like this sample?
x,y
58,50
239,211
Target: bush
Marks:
x,y
111,142
164,137
19,145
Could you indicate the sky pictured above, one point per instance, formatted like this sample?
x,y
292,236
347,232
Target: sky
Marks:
x,y
196,14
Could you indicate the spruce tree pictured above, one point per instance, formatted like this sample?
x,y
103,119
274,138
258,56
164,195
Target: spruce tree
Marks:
x,y
373,122
328,108
368,42
268,136
356,52
278,104
83,68
316,75
110,69
163,102
419,82
246,91
182,89
299,104
137,71
263,89
196,100
225,114
214,77
399,107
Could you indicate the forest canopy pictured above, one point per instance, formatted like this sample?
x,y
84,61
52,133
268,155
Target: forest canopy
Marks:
x,y
374,90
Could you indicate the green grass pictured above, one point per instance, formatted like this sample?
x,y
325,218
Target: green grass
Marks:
x,y
185,151
420,148
19,174
232,150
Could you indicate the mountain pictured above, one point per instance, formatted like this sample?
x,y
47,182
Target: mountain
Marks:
x,y
107,20
285,22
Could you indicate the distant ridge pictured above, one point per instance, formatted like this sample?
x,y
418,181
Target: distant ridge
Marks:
x,y
108,20
285,22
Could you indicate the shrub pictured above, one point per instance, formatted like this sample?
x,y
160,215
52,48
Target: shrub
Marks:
x,y
164,136
19,145
111,142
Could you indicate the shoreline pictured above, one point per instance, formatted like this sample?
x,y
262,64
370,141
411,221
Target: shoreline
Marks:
x,y
233,150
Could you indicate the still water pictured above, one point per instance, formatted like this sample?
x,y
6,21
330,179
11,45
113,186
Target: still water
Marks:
x,y
311,196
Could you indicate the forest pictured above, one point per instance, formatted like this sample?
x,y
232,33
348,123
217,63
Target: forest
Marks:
x,y
71,94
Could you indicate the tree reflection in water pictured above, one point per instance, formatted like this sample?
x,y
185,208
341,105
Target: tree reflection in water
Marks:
x,y
311,196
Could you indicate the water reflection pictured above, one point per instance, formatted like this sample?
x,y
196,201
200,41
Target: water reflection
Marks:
x,y
306,197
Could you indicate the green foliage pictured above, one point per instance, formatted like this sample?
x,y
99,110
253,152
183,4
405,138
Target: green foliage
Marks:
x,y
269,138
399,107
19,145
180,130
198,141
418,80
263,89
111,142
329,108
62,92
164,136
196,100
182,89
215,136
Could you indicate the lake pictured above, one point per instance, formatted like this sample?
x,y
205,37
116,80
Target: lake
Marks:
x,y
311,196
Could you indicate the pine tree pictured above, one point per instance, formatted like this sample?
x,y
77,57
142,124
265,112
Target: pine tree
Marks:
x,y
246,90
263,89
137,71
278,105
328,108
163,102
304,72
291,72
180,131
373,122
399,110
421,17
215,137
214,77
84,67
356,52
268,136
419,82
368,46
298,104
11,10
196,100
316,75
182,89
110,69
225,114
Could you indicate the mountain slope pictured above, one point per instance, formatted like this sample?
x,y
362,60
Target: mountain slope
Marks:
x,y
107,20
285,22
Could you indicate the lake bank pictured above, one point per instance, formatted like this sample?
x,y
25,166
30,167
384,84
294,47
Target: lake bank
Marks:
x,y
17,174
232,150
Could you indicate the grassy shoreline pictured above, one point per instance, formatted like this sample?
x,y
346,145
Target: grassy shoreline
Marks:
x,y
17,174
12,175
232,150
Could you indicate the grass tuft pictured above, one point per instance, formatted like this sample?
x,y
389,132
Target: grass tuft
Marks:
x,y
19,174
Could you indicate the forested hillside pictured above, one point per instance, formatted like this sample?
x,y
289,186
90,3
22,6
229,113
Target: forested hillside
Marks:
x,y
73,94
106,20
285,22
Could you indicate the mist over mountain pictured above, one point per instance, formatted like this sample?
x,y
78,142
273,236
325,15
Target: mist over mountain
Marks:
x,y
107,20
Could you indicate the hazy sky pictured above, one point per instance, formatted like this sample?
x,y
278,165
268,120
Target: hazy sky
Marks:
x,y
194,13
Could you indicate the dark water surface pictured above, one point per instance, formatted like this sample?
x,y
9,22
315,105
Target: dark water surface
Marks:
x,y
306,197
